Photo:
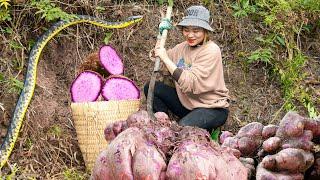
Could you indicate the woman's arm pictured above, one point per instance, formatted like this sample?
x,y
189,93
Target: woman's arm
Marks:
x,y
162,54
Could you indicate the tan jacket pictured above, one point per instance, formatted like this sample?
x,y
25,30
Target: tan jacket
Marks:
x,y
201,83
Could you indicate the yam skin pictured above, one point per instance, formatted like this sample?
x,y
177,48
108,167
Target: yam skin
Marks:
x,y
292,145
264,174
161,133
314,126
197,161
293,133
269,131
250,165
290,159
250,130
126,158
117,159
190,152
247,140
291,125
224,135
148,163
302,142
271,144
101,169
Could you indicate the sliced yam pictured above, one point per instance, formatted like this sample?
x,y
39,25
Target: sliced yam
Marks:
x,y
119,87
110,60
86,87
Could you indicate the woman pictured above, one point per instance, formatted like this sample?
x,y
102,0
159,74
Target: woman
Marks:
x,y
200,97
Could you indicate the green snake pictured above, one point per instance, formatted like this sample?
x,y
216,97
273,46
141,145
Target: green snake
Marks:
x,y
30,78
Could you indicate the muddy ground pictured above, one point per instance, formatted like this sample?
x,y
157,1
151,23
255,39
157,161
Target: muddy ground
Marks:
x,y
47,147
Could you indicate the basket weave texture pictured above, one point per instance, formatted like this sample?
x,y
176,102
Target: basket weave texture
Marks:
x,y
90,120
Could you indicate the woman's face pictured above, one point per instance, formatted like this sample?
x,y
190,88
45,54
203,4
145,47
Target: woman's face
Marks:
x,y
193,35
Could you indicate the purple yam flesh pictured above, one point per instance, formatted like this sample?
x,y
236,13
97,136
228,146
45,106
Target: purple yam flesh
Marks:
x,y
86,87
110,60
120,88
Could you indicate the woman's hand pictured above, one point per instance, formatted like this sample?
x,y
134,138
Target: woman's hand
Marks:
x,y
161,52
152,56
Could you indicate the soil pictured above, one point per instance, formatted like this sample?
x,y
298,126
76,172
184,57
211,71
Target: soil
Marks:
x,y
47,147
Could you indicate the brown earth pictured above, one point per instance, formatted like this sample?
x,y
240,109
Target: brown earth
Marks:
x,y
47,147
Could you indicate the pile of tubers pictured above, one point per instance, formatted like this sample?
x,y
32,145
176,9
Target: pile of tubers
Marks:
x,y
140,148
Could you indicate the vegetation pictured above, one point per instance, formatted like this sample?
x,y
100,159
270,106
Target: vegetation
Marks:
x,y
287,21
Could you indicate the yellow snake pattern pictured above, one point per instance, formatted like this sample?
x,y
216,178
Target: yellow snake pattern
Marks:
x,y
30,78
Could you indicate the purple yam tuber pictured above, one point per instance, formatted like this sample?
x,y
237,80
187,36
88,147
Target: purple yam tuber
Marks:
x,y
108,133
248,145
110,60
86,87
292,160
253,129
247,140
249,164
119,87
302,142
272,144
130,156
117,126
264,174
269,131
162,117
116,162
314,126
120,151
197,161
101,167
138,119
148,164
224,135
291,125
231,142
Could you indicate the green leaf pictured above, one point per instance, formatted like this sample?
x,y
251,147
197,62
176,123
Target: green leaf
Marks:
x,y
15,45
15,83
280,40
4,3
160,2
107,37
99,8
245,3
1,77
215,134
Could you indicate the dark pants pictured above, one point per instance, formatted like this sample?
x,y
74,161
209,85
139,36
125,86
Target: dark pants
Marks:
x,y
166,98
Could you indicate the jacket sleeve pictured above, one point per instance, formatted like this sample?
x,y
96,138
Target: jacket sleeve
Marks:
x,y
204,73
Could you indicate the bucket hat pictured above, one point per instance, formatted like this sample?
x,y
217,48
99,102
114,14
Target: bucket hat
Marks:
x,y
197,16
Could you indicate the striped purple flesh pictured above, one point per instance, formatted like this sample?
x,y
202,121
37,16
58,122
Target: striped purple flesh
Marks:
x,y
86,87
110,60
120,88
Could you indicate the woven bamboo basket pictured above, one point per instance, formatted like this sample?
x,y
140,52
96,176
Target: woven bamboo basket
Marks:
x,y
90,120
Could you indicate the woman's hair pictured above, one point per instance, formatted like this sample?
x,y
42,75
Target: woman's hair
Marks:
x,y
206,36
